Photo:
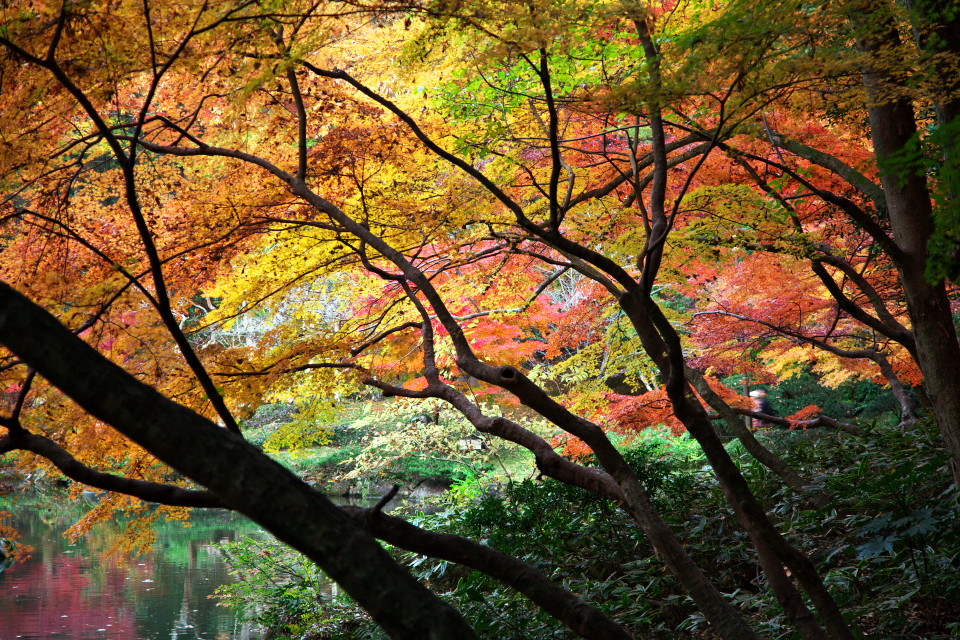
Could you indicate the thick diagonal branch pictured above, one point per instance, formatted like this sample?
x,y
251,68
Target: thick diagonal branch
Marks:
x,y
235,471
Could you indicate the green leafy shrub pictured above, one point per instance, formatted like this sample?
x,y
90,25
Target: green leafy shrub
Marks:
x,y
288,595
413,470
888,543
861,399
319,463
578,539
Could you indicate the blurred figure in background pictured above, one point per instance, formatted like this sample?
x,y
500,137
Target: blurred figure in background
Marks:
x,y
762,405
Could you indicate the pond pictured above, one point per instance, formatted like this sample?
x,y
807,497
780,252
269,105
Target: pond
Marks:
x,y
71,591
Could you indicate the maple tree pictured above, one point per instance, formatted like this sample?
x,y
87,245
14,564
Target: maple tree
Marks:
x,y
878,249
235,201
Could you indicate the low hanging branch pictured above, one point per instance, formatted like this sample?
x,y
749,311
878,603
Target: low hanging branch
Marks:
x,y
769,459
819,421
584,619
241,478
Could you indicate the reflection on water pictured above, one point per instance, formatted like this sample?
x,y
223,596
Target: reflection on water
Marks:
x,y
71,592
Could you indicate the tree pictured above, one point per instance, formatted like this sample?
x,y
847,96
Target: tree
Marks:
x,y
226,159
887,197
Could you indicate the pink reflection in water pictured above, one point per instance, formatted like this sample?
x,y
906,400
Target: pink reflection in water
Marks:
x,y
65,598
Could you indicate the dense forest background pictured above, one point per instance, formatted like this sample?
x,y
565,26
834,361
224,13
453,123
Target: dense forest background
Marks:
x,y
542,252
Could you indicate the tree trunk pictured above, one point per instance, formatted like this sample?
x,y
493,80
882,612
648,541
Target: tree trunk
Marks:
x,y
893,130
662,344
237,472
766,457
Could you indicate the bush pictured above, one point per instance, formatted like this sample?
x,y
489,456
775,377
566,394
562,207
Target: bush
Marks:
x,y
577,538
860,399
888,544
319,463
286,594
414,470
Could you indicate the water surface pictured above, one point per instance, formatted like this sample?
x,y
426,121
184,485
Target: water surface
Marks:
x,y
72,591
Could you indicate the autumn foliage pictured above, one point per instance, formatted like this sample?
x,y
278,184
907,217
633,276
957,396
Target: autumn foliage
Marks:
x,y
582,215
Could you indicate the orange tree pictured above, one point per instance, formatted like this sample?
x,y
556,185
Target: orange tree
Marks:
x,y
264,157
787,274
857,174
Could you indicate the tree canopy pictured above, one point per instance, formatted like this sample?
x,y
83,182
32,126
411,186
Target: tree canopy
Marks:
x,y
565,221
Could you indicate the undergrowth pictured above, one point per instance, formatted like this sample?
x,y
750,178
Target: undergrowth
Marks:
x,y
887,544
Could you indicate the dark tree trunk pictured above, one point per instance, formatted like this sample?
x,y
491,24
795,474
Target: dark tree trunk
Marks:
x,y
240,475
893,130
